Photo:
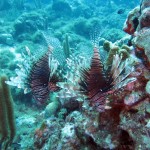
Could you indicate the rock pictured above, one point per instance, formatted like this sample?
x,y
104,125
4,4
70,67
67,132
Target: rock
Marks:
x,y
148,87
6,39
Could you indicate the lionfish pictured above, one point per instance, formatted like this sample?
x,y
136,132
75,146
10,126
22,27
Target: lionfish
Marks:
x,y
97,83
43,78
37,76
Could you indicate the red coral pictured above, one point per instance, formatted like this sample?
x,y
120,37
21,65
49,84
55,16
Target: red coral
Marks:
x,y
131,22
41,136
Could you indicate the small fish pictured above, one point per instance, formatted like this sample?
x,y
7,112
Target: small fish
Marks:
x,y
121,11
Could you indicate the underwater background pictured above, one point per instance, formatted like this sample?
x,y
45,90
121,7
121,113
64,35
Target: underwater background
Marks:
x,y
74,75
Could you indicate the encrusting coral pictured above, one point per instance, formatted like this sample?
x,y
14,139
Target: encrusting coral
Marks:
x,y
7,123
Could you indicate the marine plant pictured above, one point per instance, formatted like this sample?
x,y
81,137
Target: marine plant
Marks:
x,y
7,123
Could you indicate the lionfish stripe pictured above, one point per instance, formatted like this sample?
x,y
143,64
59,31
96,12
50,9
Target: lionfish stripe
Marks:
x,y
42,93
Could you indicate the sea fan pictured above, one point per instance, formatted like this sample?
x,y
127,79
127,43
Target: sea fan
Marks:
x,y
97,83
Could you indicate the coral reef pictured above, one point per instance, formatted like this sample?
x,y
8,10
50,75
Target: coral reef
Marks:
x,y
139,97
132,21
97,95
28,24
140,29
7,61
61,7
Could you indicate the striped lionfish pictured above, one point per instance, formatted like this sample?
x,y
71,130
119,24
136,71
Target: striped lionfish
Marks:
x,y
91,81
43,78
97,83
38,77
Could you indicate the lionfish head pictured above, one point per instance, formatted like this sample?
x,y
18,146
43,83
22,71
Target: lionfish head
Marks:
x,y
52,85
